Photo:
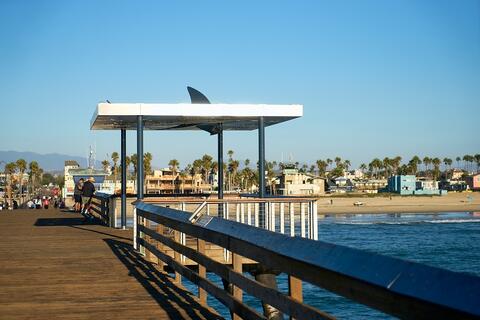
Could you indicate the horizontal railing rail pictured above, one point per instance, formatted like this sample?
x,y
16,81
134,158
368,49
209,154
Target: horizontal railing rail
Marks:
x,y
289,215
397,287
101,205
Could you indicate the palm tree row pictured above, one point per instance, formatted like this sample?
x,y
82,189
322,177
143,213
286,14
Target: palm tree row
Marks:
x,y
19,168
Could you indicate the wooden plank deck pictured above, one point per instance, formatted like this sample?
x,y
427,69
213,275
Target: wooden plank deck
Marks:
x,y
52,266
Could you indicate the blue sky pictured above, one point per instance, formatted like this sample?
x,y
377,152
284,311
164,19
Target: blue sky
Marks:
x,y
376,78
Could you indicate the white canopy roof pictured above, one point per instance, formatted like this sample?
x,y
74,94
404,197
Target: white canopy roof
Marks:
x,y
186,116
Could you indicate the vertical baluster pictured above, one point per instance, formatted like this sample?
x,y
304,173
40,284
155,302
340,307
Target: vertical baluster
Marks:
x,y
315,220
291,207
272,216
225,216
202,272
295,289
282,217
208,209
256,214
176,255
242,212
302,220
237,212
308,207
249,214
159,245
237,292
183,237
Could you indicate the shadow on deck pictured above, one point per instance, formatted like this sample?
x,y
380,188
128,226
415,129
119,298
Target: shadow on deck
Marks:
x,y
54,266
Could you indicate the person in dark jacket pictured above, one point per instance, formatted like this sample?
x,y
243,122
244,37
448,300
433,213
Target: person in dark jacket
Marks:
x,y
87,193
77,195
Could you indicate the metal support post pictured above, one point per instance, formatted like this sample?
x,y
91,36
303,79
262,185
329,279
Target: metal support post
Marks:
x,y
261,169
220,169
139,157
123,160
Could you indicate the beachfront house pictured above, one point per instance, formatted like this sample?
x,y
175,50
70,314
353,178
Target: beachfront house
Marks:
x,y
293,182
408,185
473,182
167,181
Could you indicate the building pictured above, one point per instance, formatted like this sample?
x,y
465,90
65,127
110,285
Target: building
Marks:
x,y
293,182
73,173
473,182
166,181
370,185
408,185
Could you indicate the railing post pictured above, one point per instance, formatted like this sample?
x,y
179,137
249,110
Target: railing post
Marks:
x,y
135,229
237,267
295,289
176,256
160,230
202,272
249,214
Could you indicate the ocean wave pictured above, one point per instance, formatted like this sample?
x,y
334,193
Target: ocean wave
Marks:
x,y
454,221
364,223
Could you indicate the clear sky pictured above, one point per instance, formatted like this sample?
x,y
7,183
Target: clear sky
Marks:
x,y
376,78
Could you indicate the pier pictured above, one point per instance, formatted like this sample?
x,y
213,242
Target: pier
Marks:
x,y
56,267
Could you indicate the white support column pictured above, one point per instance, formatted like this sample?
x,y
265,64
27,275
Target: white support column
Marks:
x,y
237,212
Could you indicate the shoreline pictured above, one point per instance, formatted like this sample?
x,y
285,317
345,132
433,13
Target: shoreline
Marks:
x,y
454,202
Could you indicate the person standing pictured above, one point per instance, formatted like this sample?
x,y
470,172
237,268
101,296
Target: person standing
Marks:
x,y
77,195
87,193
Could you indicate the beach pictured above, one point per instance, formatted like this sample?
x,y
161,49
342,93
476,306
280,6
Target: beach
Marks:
x,y
452,202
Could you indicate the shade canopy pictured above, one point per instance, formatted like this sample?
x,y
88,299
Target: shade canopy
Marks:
x,y
186,116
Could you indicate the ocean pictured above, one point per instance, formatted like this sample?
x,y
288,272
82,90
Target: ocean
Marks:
x,y
446,240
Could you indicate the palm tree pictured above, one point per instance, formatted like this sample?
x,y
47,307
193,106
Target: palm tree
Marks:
x,y
338,160
477,160
22,167
34,173
396,164
173,165
105,165
322,167
10,169
115,158
147,164
133,161
426,162
347,164
363,168
436,171
230,154
448,162
458,162
329,162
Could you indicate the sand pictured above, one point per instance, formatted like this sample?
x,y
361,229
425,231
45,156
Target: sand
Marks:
x,y
452,202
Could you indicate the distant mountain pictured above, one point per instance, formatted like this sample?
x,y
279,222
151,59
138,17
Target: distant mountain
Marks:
x,y
48,162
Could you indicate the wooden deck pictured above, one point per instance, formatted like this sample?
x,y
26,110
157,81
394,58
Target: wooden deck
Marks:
x,y
52,266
